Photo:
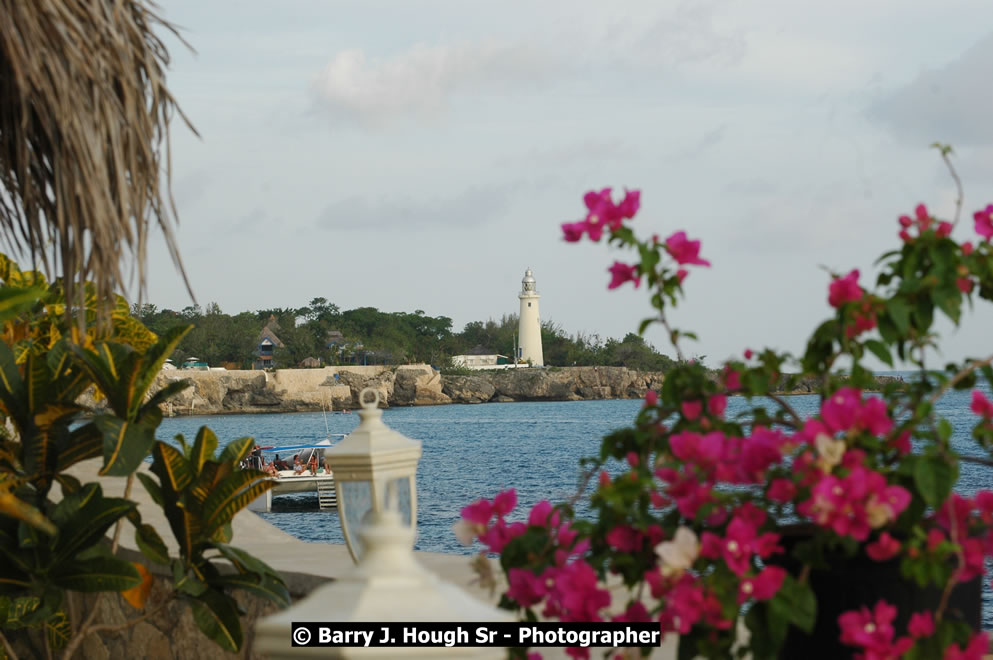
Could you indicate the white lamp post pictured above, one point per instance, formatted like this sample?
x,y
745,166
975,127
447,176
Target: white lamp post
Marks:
x,y
388,584
372,460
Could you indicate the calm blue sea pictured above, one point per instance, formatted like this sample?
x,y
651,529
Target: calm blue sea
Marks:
x,y
471,451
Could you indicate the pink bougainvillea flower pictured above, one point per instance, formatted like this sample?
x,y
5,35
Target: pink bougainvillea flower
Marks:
x,y
541,514
886,547
841,409
691,409
873,417
479,513
629,206
635,613
732,379
844,289
944,229
621,273
624,538
873,631
573,231
525,587
681,274
504,502
717,404
763,586
964,284
984,222
651,398
976,649
901,443
921,624
905,236
685,251
500,534
575,594
782,490
981,405
967,248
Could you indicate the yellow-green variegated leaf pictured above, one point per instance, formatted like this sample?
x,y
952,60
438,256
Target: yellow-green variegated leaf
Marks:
x,y
14,507
128,329
203,448
125,444
216,614
232,495
58,630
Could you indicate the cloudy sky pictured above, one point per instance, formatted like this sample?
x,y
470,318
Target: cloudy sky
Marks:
x,y
421,154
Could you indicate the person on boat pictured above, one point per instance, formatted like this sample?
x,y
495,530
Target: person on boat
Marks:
x,y
312,464
327,467
298,467
271,470
280,463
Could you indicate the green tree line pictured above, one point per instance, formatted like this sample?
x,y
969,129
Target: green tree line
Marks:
x,y
366,335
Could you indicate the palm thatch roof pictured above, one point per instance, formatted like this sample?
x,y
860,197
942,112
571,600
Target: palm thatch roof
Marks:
x,y
84,138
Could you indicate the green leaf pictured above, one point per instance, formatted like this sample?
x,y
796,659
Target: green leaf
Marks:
x,y
203,449
84,517
58,630
22,611
151,487
216,614
15,300
244,561
154,357
268,586
900,313
232,495
166,393
934,478
125,444
236,450
97,574
950,302
85,442
880,350
151,544
795,603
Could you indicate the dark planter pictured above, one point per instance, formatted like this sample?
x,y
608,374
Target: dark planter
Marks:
x,y
852,583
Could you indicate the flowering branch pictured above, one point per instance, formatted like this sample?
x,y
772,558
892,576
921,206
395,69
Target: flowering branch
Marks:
x,y
695,525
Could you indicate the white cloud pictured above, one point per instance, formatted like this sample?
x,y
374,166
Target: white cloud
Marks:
x,y
951,104
470,208
420,81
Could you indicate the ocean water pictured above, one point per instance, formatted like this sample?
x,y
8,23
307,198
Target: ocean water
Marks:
x,y
473,451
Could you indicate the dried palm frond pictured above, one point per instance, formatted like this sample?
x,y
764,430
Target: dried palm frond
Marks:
x,y
84,137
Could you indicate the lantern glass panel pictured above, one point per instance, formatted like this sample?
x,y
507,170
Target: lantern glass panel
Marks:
x,y
357,502
401,487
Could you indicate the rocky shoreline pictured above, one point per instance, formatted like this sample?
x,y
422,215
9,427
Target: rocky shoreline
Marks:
x,y
337,388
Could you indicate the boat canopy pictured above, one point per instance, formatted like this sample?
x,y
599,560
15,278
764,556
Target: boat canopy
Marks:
x,y
324,444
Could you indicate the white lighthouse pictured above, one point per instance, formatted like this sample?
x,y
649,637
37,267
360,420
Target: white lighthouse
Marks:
x,y
529,325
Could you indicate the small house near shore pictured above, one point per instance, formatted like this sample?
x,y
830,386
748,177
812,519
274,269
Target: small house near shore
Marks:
x,y
267,343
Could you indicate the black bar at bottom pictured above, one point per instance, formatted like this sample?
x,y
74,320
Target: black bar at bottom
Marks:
x,y
436,634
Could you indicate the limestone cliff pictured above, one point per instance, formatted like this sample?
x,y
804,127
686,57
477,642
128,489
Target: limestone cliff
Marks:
x,y
338,388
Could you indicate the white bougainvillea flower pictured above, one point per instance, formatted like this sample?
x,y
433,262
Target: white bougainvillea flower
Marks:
x,y
678,554
829,451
